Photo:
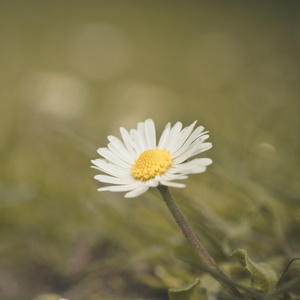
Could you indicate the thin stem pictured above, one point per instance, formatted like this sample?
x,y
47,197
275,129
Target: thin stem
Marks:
x,y
193,240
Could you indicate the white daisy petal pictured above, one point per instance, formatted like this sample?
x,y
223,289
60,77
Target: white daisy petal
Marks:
x,y
139,143
185,133
150,134
200,148
147,133
109,168
135,164
193,169
128,141
173,176
111,157
120,147
173,134
124,155
164,136
173,184
141,130
194,149
137,192
204,161
114,180
120,188
153,182
195,135
197,165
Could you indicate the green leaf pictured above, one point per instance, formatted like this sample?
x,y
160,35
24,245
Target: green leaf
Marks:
x,y
263,275
293,264
286,288
186,292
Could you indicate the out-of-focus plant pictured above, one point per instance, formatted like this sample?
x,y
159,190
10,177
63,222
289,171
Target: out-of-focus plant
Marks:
x,y
138,163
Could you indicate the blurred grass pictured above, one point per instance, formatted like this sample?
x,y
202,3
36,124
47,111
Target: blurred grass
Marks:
x,y
73,72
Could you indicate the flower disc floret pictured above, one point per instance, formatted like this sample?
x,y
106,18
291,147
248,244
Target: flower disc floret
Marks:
x,y
151,163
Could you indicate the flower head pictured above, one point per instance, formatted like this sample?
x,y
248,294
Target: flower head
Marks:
x,y
138,162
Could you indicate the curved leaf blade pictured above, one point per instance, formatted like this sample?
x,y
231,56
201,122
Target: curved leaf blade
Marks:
x,y
293,264
186,292
263,275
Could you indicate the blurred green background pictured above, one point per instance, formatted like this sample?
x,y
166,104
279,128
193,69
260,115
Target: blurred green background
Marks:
x,y
73,72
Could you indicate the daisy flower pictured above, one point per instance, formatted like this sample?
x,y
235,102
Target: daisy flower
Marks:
x,y
137,162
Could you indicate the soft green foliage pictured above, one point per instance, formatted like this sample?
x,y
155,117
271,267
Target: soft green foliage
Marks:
x,y
263,276
292,265
186,292
73,72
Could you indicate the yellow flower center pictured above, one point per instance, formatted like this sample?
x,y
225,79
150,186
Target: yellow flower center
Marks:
x,y
151,163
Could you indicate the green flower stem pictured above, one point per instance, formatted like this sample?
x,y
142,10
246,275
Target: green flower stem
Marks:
x,y
193,240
